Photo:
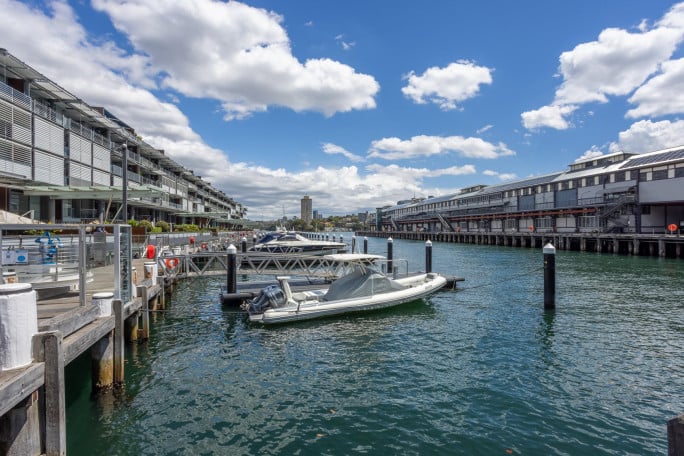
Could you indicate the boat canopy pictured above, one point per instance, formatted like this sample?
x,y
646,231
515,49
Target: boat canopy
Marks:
x,y
360,283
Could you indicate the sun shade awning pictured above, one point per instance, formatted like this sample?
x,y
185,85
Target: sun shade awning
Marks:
x,y
102,192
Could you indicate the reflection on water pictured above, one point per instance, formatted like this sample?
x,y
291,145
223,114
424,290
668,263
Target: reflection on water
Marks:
x,y
484,370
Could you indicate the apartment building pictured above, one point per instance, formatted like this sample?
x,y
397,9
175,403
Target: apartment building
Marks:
x,y
64,161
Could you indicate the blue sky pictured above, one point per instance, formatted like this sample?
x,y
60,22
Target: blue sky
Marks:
x,y
359,104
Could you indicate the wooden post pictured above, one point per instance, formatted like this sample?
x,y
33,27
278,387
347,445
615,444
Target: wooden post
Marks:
x,y
102,357
353,244
144,332
119,353
20,428
48,348
549,277
675,436
243,243
365,244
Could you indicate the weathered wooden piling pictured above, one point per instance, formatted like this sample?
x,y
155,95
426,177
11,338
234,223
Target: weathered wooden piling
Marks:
x,y
675,436
243,243
365,245
428,256
549,276
102,352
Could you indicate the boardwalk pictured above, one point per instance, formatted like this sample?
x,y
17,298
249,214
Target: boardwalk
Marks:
x,y
103,280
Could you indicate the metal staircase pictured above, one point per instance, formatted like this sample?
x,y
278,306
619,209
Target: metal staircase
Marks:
x,y
445,223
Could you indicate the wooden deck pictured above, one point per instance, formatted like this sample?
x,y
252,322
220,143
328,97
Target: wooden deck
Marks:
x,y
103,280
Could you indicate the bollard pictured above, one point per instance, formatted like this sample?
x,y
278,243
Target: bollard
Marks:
x,y
549,276
428,256
151,271
254,239
365,245
231,279
9,277
19,322
390,267
243,243
103,301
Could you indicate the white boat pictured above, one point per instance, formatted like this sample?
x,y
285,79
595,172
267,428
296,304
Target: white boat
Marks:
x,y
362,289
291,242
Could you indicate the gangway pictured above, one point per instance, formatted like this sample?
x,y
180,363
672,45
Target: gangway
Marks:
x,y
208,264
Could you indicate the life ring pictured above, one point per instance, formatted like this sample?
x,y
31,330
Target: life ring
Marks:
x,y
204,246
171,263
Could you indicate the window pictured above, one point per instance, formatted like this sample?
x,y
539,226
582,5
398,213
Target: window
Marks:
x,y
660,174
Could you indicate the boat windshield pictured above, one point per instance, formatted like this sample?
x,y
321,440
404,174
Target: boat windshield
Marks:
x,y
360,283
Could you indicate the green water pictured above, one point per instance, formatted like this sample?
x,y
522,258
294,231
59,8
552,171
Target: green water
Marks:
x,y
481,371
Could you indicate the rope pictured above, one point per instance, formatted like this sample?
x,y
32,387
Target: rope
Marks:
x,y
486,284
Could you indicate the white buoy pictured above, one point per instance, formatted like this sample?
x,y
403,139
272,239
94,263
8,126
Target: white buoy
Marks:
x,y
18,324
103,301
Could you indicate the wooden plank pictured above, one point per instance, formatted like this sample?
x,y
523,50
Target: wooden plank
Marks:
x,y
71,321
86,337
16,384
119,353
55,402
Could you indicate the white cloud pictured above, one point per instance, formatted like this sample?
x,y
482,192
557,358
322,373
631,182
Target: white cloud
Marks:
x,y
501,176
593,152
237,54
332,149
662,94
484,129
616,64
552,116
426,146
447,86
646,136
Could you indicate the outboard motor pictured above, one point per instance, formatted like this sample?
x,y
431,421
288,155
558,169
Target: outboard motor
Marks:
x,y
270,297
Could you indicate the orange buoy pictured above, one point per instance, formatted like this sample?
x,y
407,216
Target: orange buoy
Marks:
x,y
171,262
150,252
192,240
672,227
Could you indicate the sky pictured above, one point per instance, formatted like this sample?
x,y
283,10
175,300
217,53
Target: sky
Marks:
x,y
360,104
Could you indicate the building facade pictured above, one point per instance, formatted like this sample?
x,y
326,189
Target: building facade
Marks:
x,y
65,161
306,209
616,193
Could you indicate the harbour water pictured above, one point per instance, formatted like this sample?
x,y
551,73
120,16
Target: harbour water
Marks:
x,y
484,370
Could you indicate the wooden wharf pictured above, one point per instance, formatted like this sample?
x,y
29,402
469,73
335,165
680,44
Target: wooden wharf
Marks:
x,y
32,404
638,244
